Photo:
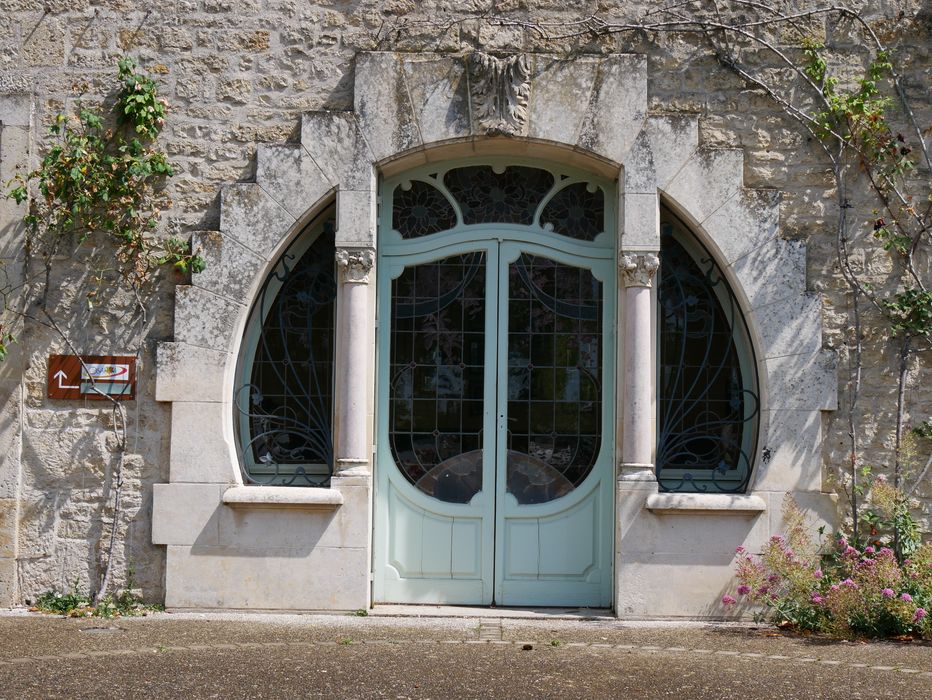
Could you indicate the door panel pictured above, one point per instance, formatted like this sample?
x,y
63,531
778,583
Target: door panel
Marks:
x,y
553,536
494,473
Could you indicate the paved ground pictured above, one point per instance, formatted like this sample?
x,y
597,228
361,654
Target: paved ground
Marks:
x,y
319,656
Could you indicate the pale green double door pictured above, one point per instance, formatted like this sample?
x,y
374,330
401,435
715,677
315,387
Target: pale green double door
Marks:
x,y
495,421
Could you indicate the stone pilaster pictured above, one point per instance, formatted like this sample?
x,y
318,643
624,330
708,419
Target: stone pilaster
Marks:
x,y
638,270
355,265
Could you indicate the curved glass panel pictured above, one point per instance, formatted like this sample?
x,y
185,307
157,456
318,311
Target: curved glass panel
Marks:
x,y
437,365
577,211
507,197
707,398
285,395
554,377
420,210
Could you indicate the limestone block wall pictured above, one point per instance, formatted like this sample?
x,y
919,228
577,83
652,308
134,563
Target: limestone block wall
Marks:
x,y
239,75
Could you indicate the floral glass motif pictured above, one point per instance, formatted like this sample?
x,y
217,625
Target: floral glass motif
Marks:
x,y
421,210
437,367
287,402
577,211
554,377
706,406
507,197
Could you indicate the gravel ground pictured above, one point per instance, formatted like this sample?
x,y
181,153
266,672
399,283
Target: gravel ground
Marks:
x,y
329,656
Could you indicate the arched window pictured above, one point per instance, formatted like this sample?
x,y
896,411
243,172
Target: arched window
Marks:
x,y
284,391
708,403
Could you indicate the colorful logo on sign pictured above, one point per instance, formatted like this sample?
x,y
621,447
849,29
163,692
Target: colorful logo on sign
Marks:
x,y
105,372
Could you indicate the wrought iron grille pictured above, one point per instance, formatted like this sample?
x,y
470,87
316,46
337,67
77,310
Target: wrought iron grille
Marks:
x,y
285,400
707,400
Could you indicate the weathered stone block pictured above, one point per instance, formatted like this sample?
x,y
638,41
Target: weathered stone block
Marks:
x,y
252,529
202,449
641,216
706,181
306,578
807,381
617,106
790,326
206,319
559,99
7,527
232,270
289,175
747,221
190,373
383,105
673,140
335,144
251,216
790,449
773,272
8,582
186,514
355,218
438,90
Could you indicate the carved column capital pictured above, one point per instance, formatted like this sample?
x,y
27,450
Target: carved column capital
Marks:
x,y
500,88
638,269
355,264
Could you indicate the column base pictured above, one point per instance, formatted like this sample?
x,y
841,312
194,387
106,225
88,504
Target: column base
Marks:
x,y
352,467
635,471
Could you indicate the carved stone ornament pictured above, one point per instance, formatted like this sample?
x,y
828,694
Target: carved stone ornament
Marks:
x,y
355,264
638,268
500,89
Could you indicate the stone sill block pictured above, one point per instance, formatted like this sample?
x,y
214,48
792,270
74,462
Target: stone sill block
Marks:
x,y
720,503
282,497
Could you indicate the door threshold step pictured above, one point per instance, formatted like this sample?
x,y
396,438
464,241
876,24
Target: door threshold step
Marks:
x,y
401,610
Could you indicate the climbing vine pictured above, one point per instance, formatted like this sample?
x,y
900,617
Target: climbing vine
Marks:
x,y
97,180
99,184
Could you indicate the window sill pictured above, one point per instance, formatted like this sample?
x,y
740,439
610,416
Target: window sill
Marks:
x,y
282,497
723,503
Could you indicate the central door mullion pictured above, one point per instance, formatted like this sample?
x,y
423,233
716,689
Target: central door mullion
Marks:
x,y
491,420
506,254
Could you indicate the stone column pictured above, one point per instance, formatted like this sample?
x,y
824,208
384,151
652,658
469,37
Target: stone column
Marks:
x,y
352,453
638,442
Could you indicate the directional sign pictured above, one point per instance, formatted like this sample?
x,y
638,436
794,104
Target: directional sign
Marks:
x,y
95,377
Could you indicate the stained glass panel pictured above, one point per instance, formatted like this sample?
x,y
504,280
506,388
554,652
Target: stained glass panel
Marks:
x,y
437,375
507,197
421,210
554,377
577,211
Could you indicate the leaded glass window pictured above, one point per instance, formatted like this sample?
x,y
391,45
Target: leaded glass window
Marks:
x,y
284,396
707,388
431,202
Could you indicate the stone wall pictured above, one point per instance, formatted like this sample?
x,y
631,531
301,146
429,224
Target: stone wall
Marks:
x,y
238,73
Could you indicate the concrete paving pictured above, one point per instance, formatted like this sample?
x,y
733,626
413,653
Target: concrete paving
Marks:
x,y
401,654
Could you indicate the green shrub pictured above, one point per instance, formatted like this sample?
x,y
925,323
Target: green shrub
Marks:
x,y
842,590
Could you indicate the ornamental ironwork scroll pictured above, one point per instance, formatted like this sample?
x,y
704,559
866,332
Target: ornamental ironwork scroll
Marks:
x,y
708,406
285,398
500,89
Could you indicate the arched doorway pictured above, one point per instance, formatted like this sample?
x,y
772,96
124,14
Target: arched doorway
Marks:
x,y
495,413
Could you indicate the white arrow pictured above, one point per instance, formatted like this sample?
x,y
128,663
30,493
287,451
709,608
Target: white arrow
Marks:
x,y
59,375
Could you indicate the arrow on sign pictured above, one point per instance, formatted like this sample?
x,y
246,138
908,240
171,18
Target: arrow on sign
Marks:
x,y
60,376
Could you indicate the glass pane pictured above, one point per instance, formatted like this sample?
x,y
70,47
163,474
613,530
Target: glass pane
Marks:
x,y
508,197
287,402
437,374
554,378
704,405
577,211
421,210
